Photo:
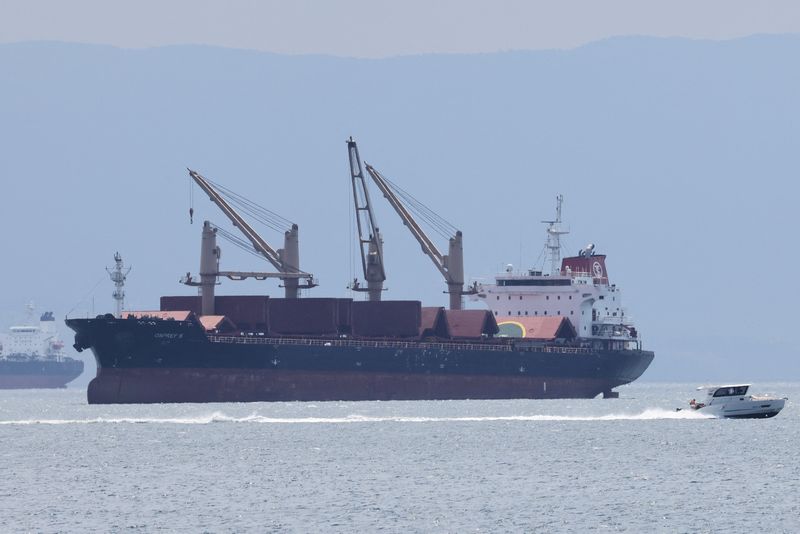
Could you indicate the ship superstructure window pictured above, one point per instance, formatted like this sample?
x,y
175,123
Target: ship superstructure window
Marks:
x,y
535,282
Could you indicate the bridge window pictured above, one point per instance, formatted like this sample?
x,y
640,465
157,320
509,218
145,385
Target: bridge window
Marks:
x,y
731,391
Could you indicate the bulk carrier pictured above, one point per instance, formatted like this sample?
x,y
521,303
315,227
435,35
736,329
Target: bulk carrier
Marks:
x,y
560,334
32,356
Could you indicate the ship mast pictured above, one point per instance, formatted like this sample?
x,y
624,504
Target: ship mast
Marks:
x,y
555,230
370,241
118,274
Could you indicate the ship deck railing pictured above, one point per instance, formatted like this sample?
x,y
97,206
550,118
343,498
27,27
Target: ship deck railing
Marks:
x,y
382,344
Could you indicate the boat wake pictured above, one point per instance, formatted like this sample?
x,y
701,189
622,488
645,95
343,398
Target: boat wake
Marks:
x,y
219,417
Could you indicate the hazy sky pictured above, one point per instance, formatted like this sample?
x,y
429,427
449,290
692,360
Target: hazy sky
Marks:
x,y
370,28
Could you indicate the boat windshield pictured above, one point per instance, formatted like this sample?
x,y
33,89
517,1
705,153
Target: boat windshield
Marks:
x,y
731,391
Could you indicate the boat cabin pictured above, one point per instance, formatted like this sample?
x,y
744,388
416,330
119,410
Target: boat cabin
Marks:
x,y
735,390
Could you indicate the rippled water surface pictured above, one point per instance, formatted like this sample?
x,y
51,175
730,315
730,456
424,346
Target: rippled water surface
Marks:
x,y
627,465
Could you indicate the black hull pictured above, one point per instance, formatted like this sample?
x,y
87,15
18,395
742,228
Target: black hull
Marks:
x,y
765,415
38,374
144,361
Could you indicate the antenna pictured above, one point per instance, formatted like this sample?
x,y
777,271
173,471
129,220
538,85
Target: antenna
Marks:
x,y
118,275
554,232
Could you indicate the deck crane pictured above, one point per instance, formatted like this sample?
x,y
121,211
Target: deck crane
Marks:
x,y
452,265
369,236
285,260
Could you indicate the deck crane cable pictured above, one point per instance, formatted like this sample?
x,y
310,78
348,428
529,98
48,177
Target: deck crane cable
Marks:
x,y
237,241
244,245
434,220
438,223
351,234
254,210
259,213
246,201
191,200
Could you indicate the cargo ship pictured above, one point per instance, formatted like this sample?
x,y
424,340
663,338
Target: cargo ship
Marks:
x,y
560,334
32,356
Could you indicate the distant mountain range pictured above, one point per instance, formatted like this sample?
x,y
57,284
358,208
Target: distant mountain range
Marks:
x,y
677,158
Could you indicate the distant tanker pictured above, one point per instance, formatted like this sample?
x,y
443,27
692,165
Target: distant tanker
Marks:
x,y
32,356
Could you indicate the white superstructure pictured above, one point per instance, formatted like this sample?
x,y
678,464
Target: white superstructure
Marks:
x,y
576,288
34,341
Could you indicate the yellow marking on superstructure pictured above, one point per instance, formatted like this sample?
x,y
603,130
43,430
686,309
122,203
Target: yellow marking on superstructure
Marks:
x,y
515,323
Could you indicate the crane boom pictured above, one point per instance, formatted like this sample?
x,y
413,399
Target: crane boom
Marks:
x,y
428,248
370,241
452,265
285,260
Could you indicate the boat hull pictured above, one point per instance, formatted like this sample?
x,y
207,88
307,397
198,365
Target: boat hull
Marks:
x,y
150,361
38,374
762,408
760,415
259,385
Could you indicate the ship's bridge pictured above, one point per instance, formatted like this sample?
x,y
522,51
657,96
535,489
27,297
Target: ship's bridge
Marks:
x,y
580,292
576,287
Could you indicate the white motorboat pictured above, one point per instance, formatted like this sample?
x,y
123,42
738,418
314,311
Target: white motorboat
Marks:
x,y
732,401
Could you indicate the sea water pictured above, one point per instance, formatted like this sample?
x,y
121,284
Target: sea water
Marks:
x,y
631,464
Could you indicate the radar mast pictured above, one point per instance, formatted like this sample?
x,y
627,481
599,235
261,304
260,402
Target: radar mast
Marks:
x,y
555,229
118,274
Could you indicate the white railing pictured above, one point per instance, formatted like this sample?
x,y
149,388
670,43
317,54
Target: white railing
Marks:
x,y
379,344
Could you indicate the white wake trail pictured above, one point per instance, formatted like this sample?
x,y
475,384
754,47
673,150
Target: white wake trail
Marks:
x,y
219,417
